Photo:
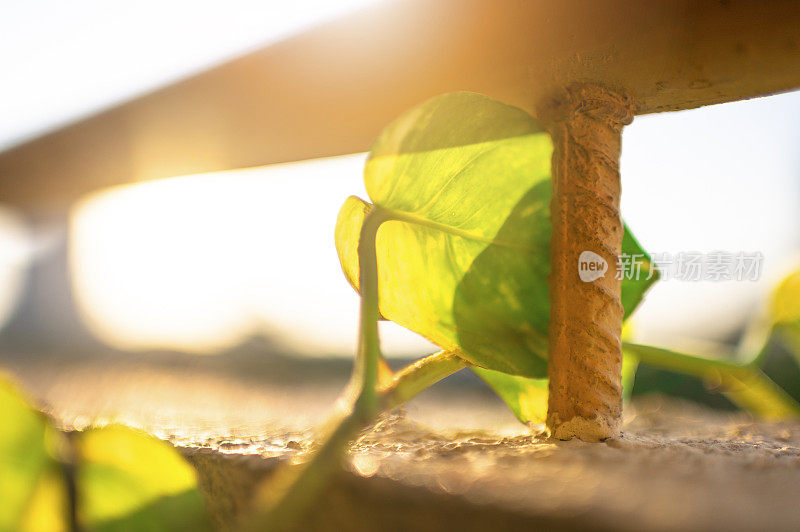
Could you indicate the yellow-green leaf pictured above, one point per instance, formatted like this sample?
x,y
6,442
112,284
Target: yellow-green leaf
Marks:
x,y
526,397
464,257
130,481
123,478
30,481
784,315
785,303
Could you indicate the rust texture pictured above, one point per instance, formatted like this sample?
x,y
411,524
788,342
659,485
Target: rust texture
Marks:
x,y
586,316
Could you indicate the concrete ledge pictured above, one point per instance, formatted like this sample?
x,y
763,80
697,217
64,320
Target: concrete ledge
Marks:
x,y
669,471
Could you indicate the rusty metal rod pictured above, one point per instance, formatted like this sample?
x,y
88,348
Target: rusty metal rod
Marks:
x,y
586,313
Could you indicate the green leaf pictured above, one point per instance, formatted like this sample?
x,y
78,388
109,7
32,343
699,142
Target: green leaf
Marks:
x,y
745,384
464,259
784,314
526,397
32,494
131,481
785,303
629,366
125,480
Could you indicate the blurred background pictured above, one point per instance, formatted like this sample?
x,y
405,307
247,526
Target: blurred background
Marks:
x,y
178,298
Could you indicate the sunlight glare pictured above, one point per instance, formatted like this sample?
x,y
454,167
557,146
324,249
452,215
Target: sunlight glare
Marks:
x,y
199,263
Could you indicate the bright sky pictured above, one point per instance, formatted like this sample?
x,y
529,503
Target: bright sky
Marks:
x,y
62,60
247,251
725,177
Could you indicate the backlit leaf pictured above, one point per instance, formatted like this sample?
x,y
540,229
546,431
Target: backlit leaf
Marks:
x,y
784,315
785,303
464,258
131,481
526,397
32,496
124,479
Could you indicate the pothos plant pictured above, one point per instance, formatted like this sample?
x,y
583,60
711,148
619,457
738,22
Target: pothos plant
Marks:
x,y
454,245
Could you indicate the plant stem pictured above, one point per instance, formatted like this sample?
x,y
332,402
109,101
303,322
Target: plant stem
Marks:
x,y
288,495
678,362
369,351
418,376
744,384
284,499
298,489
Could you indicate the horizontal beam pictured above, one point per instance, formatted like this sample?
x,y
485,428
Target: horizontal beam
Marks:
x,y
330,90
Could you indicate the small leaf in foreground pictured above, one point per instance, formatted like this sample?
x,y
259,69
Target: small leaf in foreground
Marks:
x,y
32,493
125,479
131,481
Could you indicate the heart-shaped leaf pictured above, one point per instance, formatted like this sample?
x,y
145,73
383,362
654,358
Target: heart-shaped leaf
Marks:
x,y
464,258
